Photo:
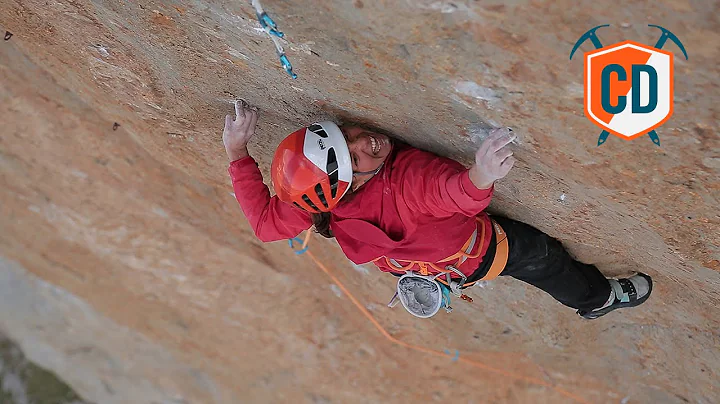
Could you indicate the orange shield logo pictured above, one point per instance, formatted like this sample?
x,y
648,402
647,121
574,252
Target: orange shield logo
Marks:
x,y
628,88
628,85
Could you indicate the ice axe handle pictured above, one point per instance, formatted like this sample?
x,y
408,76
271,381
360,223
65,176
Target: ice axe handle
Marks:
x,y
654,137
590,34
603,137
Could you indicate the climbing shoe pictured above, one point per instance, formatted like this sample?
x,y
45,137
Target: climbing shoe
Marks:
x,y
627,292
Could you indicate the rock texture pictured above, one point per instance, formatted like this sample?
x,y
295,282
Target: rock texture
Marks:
x,y
129,270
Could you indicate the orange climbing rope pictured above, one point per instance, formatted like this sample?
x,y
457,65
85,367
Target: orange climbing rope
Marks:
x,y
394,340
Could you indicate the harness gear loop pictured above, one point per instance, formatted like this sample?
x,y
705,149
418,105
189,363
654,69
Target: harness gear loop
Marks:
x,y
394,301
455,286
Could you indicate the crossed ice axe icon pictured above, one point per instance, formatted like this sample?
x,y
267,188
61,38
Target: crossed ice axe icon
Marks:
x,y
592,36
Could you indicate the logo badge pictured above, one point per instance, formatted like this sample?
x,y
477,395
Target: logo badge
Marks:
x,y
628,86
321,144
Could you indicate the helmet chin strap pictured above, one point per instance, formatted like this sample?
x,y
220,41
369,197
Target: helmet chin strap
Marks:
x,y
373,172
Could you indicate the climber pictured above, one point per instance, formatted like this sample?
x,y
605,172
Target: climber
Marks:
x,y
410,212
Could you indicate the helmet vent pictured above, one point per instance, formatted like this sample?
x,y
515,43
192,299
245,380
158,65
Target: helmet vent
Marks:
x,y
332,164
318,129
321,195
334,184
298,205
309,202
332,170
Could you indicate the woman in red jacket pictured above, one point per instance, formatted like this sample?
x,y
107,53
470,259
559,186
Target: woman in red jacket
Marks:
x,y
410,211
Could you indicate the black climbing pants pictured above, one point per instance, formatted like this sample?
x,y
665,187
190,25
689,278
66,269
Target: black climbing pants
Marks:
x,y
540,260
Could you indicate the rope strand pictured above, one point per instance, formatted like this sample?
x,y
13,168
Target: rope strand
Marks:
x,y
434,352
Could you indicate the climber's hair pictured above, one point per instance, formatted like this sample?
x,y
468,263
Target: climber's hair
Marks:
x,y
321,223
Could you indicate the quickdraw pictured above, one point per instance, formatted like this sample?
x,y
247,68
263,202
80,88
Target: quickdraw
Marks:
x,y
270,27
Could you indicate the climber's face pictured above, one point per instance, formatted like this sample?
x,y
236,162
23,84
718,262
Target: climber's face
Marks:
x,y
368,151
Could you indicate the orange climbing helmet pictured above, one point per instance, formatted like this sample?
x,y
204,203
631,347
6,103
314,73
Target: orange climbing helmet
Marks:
x,y
312,167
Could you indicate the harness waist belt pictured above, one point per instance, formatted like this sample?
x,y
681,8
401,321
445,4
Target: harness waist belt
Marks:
x,y
497,266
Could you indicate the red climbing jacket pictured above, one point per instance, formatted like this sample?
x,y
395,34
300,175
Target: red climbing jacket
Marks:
x,y
418,207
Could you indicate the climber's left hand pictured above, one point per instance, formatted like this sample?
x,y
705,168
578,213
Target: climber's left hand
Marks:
x,y
239,130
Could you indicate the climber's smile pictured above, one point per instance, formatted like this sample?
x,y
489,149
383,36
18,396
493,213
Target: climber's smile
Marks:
x,y
368,151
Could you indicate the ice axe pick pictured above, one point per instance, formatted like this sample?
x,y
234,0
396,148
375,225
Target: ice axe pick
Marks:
x,y
592,36
668,35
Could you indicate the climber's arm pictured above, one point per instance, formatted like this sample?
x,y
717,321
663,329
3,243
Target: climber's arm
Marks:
x,y
441,187
270,218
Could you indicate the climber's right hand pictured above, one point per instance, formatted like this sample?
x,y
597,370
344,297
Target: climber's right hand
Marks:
x,y
239,130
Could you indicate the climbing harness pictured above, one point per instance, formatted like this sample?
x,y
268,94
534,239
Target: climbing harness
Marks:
x,y
423,294
451,285
271,29
424,267
456,285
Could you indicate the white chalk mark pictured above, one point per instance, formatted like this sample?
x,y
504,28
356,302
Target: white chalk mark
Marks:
x,y
102,50
159,211
360,268
336,290
78,174
237,54
472,89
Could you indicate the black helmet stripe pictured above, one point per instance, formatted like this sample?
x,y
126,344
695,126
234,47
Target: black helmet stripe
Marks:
x,y
332,164
332,169
318,129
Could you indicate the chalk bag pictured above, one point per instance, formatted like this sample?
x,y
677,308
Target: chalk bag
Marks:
x,y
422,296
